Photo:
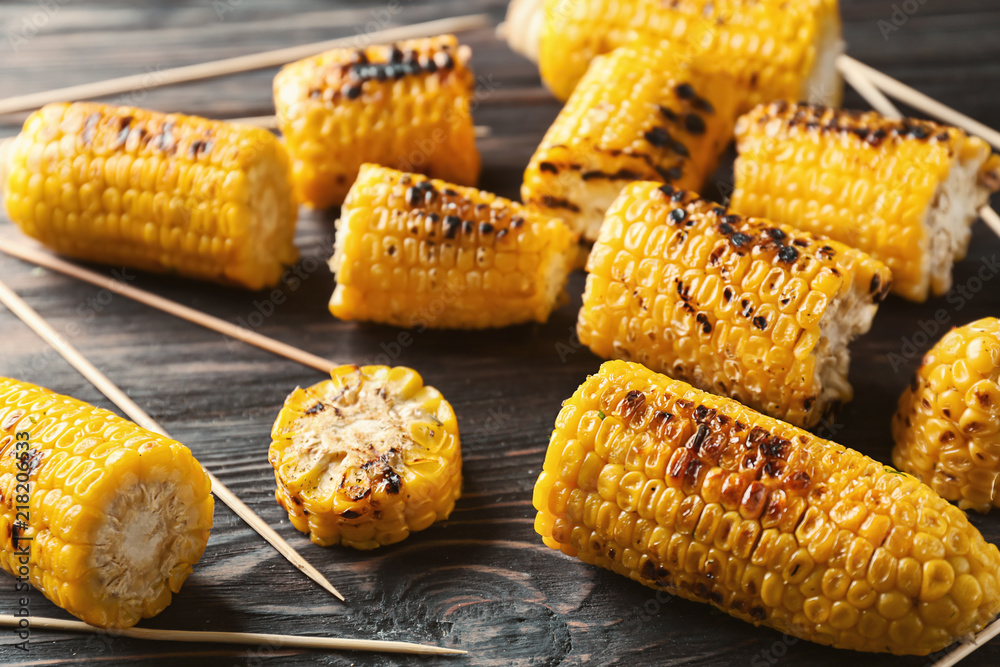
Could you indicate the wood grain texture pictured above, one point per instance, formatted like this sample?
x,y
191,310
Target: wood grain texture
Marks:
x,y
481,581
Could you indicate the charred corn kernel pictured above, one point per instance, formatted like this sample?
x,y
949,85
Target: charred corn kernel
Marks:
x,y
100,537
367,457
159,192
946,425
404,105
776,49
737,306
415,252
790,577
904,191
629,119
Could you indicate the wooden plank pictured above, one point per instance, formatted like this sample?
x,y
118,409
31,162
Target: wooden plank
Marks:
x,y
481,581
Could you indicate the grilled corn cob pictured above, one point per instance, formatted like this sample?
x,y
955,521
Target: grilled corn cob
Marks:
x,y
904,191
629,119
367,457
737,306
104,518
700,496
159,192
403,105
774,48
946,429
422,253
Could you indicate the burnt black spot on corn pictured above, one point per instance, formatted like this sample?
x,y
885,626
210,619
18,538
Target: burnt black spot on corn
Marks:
x,y
822,543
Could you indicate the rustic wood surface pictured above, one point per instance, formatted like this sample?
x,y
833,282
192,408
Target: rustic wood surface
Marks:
x,y
481,581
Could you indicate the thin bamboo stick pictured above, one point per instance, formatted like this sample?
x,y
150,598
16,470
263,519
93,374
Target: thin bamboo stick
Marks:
x,y
28,315
236,65
249,638
964,650
920,101
48,261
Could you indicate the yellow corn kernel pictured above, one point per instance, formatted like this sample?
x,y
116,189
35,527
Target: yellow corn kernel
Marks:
x,y
197,223
809,578
397,230
678,328
845,174
404,105
112,552
348,465
946,425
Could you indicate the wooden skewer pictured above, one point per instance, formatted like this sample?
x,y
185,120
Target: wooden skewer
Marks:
x,y
918,100
271,123
964,650
857,75
28,315
256,61
44,259
250,638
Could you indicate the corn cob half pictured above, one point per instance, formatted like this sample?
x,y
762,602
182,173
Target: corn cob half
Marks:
x,y
775,49
947,428
423,253
904,191
737,306
160,192
367,457
700,496
104,518
629,119
404,105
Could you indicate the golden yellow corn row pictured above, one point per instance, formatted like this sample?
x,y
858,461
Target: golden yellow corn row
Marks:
x,y
947,426
159,192
104,518
704,498
629,119
774,48
367,457
421,253
403,105
737,306
904,191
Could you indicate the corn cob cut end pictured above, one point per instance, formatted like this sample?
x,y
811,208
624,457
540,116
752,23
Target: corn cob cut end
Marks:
x,y
823,83
905,191
420,253
637,114
367,457
6,149
118,515
704,498
523,27
735,305
947,428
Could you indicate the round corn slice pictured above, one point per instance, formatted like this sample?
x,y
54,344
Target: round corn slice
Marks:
x,y
366,457
103,517
947,428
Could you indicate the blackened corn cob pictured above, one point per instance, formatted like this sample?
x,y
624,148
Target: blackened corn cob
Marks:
x,y
737,306
629,119
774,48
403,105
367,457
104,518
421,253
704,498
947,429
160,192
904,191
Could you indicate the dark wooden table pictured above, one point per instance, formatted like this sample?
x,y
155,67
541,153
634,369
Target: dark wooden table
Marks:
x,y
482,580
